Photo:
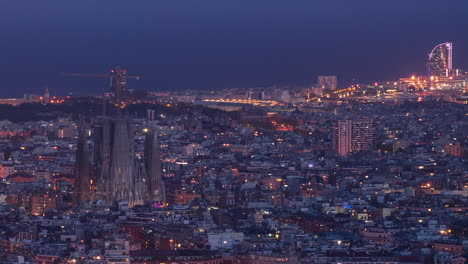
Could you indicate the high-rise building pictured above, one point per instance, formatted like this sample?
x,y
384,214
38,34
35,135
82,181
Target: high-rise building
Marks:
x,y
361,135
328,82
46,96
353,135
155,187
343,137
440,61
82,176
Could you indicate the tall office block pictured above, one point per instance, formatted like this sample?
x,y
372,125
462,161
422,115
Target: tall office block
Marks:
x,y
353,136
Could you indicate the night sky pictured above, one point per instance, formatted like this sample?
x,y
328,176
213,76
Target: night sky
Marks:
x,y
215,44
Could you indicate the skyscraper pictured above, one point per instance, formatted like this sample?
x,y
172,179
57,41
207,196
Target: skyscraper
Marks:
x,y
81,172
155,187
343,137
353,135
440,61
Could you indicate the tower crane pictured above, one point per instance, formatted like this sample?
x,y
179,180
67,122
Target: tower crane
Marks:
x,y
118,80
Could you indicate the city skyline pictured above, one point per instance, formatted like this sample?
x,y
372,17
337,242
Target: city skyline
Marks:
x,y
234,132
178,46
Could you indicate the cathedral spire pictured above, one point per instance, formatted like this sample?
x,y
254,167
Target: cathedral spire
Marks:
x,y
156,192
82,178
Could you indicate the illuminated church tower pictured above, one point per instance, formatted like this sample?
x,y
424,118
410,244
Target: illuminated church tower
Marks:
x,y
81,172
155,187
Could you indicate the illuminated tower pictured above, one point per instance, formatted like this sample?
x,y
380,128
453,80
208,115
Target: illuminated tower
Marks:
x,y
118,175
102,158
353,136
82,178
344,137
361,134
440,61
466,85
46,94
155,186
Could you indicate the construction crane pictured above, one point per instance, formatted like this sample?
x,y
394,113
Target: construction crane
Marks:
x,y
118,80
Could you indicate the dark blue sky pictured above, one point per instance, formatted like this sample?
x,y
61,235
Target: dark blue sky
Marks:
x,y
213,44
